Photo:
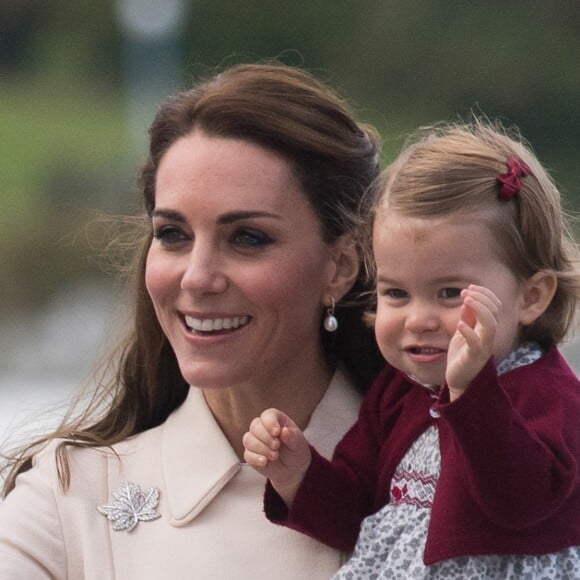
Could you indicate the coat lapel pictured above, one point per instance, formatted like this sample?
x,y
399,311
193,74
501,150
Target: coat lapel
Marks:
x,y
198,460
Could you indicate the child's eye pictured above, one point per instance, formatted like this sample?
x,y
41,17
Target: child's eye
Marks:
x,y
395,293
450,293
249,238
168,235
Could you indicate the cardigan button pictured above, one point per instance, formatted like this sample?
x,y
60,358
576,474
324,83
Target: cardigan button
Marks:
x,y
434,413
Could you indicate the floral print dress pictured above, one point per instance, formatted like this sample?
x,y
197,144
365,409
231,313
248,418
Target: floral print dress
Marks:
x,y
392,541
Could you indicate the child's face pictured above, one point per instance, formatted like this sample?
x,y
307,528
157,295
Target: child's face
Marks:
x,y
422,266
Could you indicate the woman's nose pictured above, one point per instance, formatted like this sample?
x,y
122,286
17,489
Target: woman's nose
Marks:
x,y
204,272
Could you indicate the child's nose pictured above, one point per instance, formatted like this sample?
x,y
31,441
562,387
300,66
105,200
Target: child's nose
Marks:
x,y
422,318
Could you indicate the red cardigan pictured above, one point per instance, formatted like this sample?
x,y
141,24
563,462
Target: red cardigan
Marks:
x,y
510,458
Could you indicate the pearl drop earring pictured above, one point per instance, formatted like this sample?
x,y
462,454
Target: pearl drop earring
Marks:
x,y
330,322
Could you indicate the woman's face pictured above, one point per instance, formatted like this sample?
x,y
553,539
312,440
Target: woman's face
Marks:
x,y
237,270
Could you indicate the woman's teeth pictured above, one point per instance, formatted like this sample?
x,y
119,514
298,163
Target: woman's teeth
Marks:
x,y
213,324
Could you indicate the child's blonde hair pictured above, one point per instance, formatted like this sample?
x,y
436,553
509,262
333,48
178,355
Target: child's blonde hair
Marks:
x,y
455,167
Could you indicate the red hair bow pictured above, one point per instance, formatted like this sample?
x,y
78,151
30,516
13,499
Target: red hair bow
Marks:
x,y
510,182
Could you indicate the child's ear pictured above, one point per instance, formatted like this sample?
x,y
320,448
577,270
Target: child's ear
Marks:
x,y
538,291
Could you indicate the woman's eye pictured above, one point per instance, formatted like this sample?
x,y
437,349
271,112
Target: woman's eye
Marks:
x,y
169,235
450,293
250,238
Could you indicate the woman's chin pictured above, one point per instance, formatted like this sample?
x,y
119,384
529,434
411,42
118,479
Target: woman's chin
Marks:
x,y
210,376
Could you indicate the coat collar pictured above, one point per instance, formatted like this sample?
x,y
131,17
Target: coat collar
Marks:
x,y
198,460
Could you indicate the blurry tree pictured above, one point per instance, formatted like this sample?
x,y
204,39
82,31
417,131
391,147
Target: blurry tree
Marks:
x,y
65,40
19,19
61,121
518,60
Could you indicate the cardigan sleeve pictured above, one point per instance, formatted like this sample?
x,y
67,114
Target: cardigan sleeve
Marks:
x,y
513,442
31,541
335,496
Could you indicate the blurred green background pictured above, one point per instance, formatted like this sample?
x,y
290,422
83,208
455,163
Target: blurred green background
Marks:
x,y
80,81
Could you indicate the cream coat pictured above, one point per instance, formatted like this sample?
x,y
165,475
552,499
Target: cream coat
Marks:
x,y
211,523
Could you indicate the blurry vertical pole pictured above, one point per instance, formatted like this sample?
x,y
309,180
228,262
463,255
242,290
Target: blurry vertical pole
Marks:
x,y
152,63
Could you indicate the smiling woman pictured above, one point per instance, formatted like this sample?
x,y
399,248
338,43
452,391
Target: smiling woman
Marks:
x,y
213,263
253,190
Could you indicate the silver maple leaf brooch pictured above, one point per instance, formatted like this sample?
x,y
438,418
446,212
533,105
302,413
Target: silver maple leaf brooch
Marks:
x,y
131,506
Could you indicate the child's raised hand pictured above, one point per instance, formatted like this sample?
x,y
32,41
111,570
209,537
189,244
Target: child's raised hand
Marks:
x,y
473,342
276,447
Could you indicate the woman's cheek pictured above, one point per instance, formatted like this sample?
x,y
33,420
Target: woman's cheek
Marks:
x,y
159,278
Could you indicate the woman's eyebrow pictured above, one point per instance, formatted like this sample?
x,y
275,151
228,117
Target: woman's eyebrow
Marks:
x,y
235,216
224,219
168,214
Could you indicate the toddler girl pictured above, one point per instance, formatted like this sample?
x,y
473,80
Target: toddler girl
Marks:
x,y
467,448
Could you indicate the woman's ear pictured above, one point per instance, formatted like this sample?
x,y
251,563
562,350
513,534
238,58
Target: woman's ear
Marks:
x,y
346,264
538,291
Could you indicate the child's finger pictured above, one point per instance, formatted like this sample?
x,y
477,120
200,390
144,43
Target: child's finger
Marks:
x,y
485,317
479,337
257,446
255,459
467,314
483,290
471,337
263,433
274,420
484,296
